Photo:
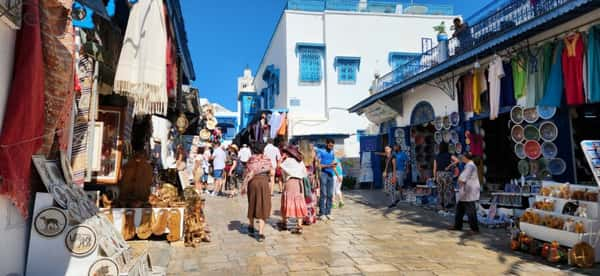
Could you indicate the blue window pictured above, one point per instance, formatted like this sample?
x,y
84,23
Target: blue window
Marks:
x,y
310,56
271,78
347,68
397,59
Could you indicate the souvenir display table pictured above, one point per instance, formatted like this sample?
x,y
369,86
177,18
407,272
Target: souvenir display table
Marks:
x,y
567,214
119,221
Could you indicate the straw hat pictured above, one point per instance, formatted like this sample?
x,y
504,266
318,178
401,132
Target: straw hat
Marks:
x,y
204,134
211,124
293,151
234,147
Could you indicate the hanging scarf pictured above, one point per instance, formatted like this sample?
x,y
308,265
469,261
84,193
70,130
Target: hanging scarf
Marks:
x,y
142,70
25,106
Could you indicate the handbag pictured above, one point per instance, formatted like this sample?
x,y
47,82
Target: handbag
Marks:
x,y
307,187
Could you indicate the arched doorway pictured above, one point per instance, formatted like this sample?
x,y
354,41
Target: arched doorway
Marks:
x,y
422,142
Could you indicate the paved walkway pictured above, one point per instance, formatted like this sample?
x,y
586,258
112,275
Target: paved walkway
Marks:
x,y
364,239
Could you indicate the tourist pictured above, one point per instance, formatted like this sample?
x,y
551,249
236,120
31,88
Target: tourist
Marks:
x,y
443,176
273,153
338,198
389,176
462,34
198,171
311,185
259,171
327,173
205,167
231,164
402,163
218,158
278,171
292,198
468,195
244,154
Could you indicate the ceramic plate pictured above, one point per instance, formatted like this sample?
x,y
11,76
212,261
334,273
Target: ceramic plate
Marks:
x,y
516,114
520,151
446,122
459,148
104,266
517,133
437,136
81,240
533,149
446,136
530,115
454,118
454,136
523,167
451,148
50,222
557,166
438,123
531,132
546,112
548,131
549,150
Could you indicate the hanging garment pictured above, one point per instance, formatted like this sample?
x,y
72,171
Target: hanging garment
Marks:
x,y
479,85
468,93
58,47
25,106
275,123
507,88
543,72
284,123
519,68
495,75
160,132
532,70
572,61
593,64
554,86
142,70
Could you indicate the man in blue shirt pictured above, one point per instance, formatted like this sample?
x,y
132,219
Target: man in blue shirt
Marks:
x,y
327,165
402,162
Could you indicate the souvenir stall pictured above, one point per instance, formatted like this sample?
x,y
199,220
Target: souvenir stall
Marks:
x,y
271,123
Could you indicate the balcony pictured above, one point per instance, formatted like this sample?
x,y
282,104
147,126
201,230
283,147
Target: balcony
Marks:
x,y
504,19
392,7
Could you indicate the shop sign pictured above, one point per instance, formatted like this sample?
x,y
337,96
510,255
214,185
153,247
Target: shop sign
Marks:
x,y
379,112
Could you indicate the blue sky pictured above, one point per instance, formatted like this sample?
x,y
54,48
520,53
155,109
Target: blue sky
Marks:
x,y
225,36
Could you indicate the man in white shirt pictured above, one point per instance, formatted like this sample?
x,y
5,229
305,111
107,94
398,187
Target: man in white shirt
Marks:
x,y
272,152
218,158
245,154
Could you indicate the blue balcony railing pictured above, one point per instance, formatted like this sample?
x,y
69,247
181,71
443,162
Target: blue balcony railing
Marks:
x,y
397,7
503,19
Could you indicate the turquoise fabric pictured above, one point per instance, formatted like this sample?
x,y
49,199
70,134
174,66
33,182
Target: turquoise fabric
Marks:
x,y
593,63
554,85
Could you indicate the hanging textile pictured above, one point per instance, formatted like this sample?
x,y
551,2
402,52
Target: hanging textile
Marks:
x,y
543,70
142,71
495,75
57,47
79,152
532,69
25,106
479,85
275,123
554,86
519,65
160,133
171,60
284,123
572,61
507,88
468,93
593,64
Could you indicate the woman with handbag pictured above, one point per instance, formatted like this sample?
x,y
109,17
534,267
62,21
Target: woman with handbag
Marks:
x,y
256,185
292,198
311,182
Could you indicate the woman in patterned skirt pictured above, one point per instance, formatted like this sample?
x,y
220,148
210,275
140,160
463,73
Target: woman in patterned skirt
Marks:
x,y
389,175
292,199
256,184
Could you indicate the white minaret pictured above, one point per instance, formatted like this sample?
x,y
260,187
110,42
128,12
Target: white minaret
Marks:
x,y
246,82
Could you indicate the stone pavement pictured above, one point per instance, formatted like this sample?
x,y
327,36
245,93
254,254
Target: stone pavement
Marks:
x,y
365,238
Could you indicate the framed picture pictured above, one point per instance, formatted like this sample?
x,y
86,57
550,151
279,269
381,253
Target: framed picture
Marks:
x,y
111,152
96,146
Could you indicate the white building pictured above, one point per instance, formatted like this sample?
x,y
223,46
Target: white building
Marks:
x,y
323,55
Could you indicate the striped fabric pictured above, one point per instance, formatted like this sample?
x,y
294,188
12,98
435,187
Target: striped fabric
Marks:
x,y
79,153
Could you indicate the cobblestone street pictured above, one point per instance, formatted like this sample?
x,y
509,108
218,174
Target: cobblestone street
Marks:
x,y
364,238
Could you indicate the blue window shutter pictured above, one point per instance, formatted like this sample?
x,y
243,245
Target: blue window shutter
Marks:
x,y
347,68
310,64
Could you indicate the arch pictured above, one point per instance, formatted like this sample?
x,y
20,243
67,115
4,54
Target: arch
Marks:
x,y
422,113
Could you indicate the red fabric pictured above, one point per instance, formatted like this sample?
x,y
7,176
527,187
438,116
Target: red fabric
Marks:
x,y
468,93
171,61
476,144
572,61
24,119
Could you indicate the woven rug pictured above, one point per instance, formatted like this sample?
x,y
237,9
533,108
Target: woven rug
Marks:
x,y
79,152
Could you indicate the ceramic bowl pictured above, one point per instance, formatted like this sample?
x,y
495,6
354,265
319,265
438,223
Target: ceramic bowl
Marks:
x,y
533,150
531,132
549,150
446,122
530,115
557,166
438,137
516,114
437,123
451,148
546,112
446,136
548,131
454,118
517,133
520,151
459,148
454,136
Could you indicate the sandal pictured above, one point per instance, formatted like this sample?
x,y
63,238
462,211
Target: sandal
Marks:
x,y
297,231
282,226
261,238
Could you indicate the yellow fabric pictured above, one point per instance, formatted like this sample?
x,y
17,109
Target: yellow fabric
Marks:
x,y
479,86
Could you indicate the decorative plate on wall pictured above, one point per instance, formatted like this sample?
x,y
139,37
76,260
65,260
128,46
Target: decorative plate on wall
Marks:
x,y
438,123
516,114
459,148
523,166
557,166
520,151
104,266
437,136
517,133
533,150
548,131
81,240
530,115
454,118
454,136
549,150
446,122
50,222
546,112
531,132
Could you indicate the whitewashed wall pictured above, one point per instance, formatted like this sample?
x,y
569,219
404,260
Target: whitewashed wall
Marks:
x,y
276,55
442,104
13,228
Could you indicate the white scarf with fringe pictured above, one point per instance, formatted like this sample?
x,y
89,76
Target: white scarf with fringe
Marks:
x,y
142,70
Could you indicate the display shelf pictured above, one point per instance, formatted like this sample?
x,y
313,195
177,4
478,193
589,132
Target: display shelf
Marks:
x,y
564,238
593,210
591,225
513,194
547,183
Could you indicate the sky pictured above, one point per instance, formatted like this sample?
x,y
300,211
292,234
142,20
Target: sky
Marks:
x,y
226,36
